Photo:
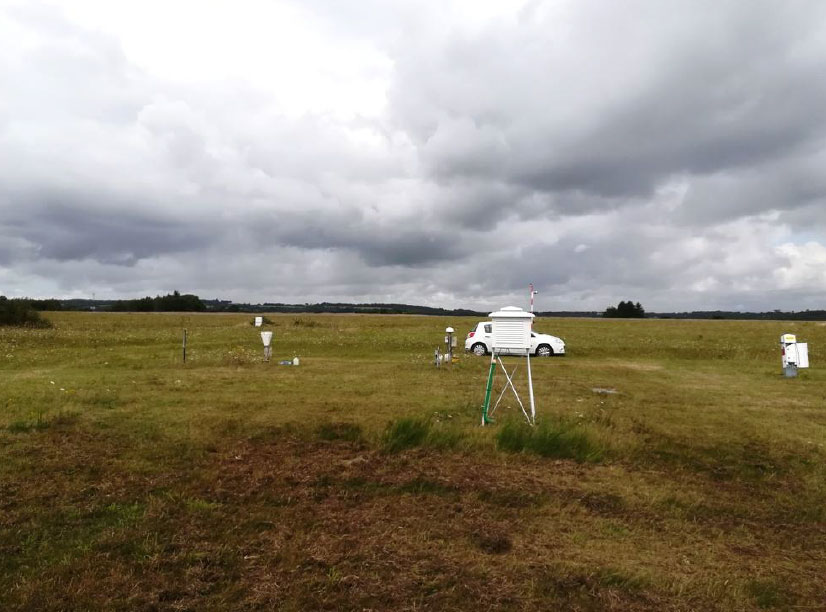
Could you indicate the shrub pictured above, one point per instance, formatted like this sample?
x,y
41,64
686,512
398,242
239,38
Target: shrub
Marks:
x,y
20,313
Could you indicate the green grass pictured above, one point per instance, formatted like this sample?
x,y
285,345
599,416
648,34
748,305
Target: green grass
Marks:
x,y
362,478
551,438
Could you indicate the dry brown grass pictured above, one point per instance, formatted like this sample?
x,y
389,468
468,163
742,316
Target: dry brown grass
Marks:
x,y
287,521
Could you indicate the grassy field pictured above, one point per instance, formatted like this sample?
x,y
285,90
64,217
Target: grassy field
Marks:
x,y
362,480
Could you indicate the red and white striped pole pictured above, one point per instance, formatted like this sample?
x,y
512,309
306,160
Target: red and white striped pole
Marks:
x,y
533,293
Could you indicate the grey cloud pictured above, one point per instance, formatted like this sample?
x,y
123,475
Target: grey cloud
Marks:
x,y
784,184
739,91
59,229
376,245
533,148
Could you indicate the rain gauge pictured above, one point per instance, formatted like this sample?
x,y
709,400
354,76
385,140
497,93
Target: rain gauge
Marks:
x,y
266,338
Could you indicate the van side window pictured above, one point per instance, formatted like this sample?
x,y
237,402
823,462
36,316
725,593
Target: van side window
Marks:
x,y
489,328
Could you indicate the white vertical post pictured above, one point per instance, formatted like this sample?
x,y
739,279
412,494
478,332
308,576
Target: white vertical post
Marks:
x,y
533,293
530,389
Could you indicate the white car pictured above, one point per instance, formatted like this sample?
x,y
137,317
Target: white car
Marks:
x,y
480,340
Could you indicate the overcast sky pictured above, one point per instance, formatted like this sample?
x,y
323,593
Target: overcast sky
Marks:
x,y
433,152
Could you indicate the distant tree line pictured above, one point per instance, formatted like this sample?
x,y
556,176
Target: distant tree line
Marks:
x,y
774,315
173,302
176,302
344,308
19,312
625,310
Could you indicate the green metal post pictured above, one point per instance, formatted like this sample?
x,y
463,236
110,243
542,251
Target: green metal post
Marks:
x,y
485,418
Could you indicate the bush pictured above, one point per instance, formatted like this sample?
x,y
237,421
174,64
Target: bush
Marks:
x,y
20,313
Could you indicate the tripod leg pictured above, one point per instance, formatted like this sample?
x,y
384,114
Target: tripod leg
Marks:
x,y
485,416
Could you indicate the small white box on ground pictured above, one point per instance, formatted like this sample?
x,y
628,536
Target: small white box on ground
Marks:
x,y
259,321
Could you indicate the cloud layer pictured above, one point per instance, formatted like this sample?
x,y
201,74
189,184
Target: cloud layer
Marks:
x,y
669,153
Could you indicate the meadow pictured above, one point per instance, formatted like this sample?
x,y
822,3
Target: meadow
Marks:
x,y
673,467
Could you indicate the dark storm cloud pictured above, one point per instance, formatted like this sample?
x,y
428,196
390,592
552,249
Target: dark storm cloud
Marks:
x,y
348,230
703,128
61,229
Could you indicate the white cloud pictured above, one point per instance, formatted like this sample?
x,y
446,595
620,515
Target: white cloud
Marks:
x,y
804,267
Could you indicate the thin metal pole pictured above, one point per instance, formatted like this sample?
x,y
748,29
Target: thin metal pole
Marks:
x,y
485,418
184,345
530,389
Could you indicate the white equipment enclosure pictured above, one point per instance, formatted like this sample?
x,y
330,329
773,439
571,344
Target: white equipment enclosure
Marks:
x,y
511,335
795,354
259,321
512,329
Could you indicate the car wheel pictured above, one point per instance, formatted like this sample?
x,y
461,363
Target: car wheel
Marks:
x,y
479,349
544,350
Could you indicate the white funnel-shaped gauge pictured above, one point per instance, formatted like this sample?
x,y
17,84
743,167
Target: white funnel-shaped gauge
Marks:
x,y
266,338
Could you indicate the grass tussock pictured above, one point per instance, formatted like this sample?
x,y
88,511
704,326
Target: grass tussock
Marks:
x,y
410,432
555,438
